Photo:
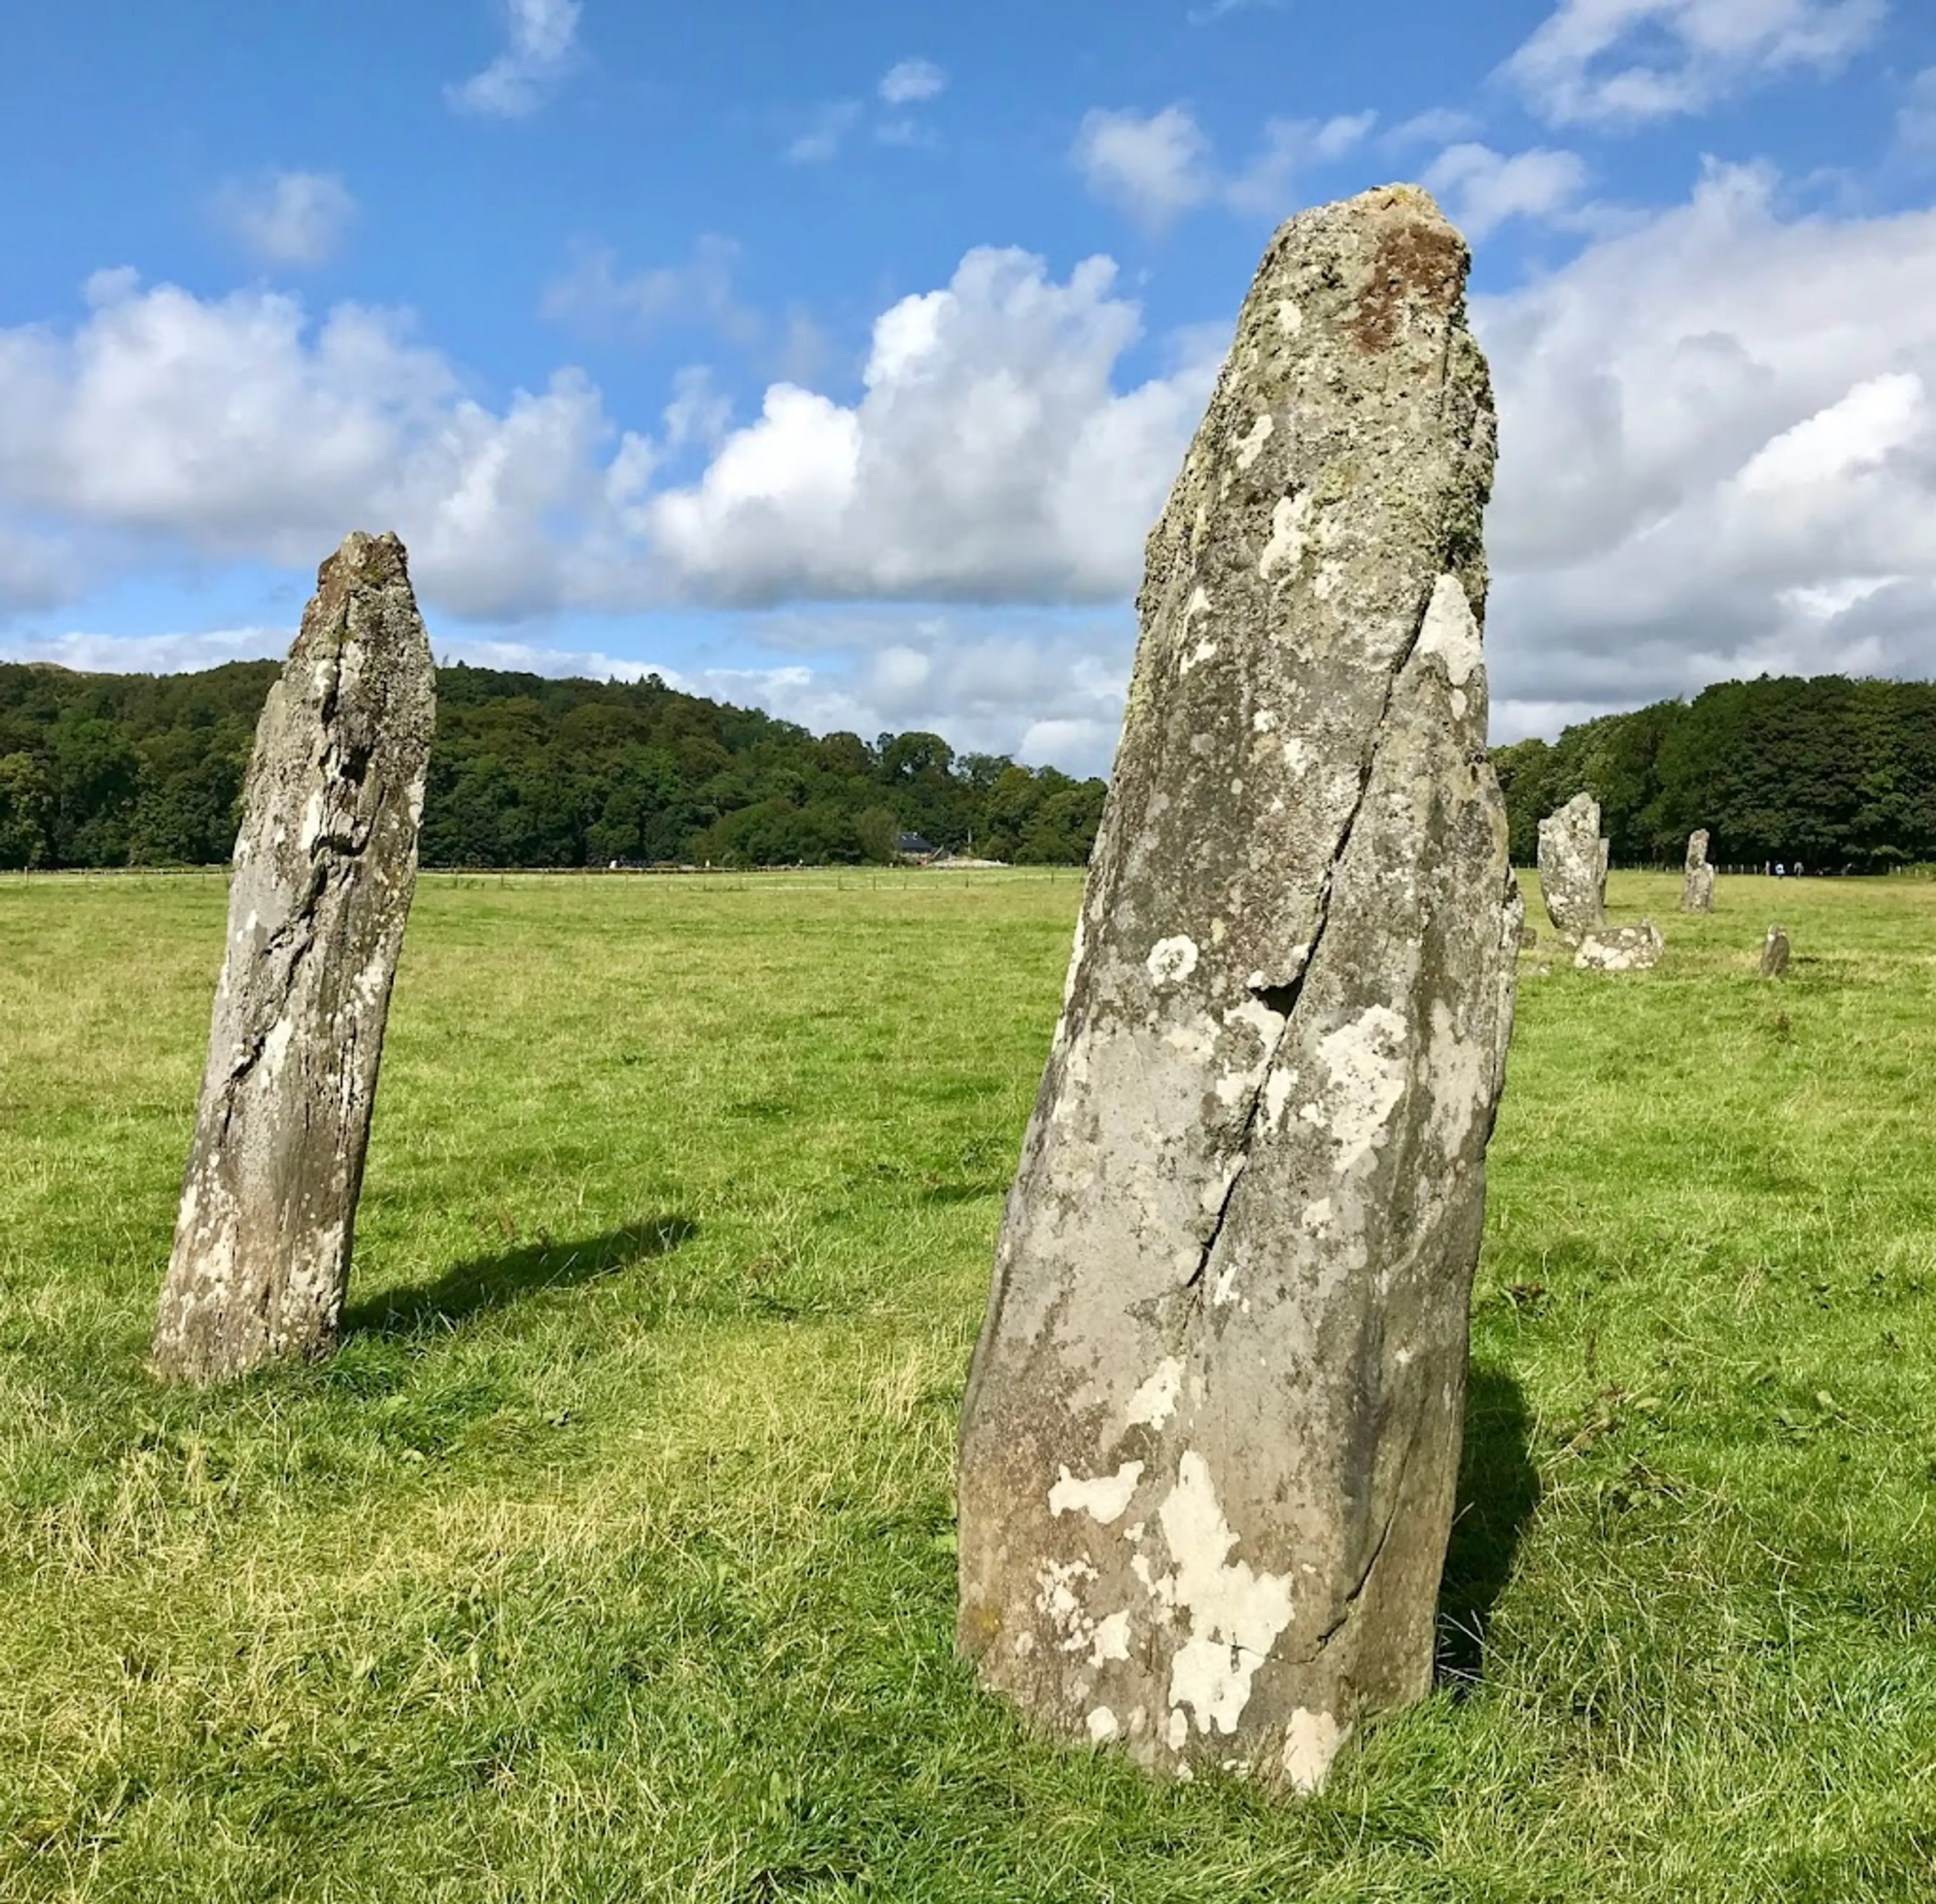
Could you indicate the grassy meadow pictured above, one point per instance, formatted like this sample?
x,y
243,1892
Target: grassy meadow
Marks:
x,y
612,1557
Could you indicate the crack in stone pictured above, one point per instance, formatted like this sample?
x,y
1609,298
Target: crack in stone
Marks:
x,y
1293,990
1353,1595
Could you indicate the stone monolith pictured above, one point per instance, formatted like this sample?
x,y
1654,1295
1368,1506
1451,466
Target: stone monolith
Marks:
x,y
1697,878
325,868
1212,1429
1619,949
1573,862
1774,953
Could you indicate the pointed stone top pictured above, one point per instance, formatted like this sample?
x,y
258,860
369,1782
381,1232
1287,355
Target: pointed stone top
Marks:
x,y
370,560
1410,254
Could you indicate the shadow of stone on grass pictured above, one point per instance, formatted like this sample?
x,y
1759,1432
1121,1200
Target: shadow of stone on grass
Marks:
x,y
484,1283
1498,1490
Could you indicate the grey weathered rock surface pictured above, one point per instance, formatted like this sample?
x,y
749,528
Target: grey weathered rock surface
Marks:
x,y
325,866
1774,953
1697,879
1619,949
1573,866
1212,1430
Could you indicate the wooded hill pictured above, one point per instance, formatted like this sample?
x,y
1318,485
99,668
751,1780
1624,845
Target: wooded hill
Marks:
x,y
1840,774
119,770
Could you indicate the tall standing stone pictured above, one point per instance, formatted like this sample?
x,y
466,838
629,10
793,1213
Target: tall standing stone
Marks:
x,y
1573,867
1697,878
325,866
1212,1429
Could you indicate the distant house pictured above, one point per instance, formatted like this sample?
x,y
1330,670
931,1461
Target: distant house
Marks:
x,y
912,845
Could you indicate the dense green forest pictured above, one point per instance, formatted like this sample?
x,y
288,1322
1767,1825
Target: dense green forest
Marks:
x,y
1838,773
100,769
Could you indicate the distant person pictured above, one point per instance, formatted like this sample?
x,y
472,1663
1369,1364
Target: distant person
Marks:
x,y
1780,871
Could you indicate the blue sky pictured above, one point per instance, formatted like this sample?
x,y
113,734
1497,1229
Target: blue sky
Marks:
x,y
837,358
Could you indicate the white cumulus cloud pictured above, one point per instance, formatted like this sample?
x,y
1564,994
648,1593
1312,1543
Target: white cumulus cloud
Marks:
x,y
989,456
1610,62
542,38
1717,454
1157,165
1481,188
909,81
1154,165
287,218
236,426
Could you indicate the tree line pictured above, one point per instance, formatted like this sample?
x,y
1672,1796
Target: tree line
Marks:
x,y
100,770
121,770
1840,774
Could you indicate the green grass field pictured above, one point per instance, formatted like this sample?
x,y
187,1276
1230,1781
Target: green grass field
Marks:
x,y
612,1557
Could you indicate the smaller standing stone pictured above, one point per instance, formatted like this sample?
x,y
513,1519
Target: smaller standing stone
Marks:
x,y
1774,953
325,866
1529,936
1620,948
1697,880
1573,866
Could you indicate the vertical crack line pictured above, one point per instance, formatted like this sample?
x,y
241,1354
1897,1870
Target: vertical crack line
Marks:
x,y
1293,991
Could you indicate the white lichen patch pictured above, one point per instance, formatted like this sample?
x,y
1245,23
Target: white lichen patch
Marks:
x,y
1289,536
1461,1075
1155,1402
1296,754
1199,602
1235,1612
1216,1193
1450,632
1316,1217
1224,1289
1310,1742
1263,721
1059,1599
1195,657
1251,447
1102,1497
1102,1725
276,1045
1289,318
1171,961
1278,1088
1056,1598
1365,1060
1110,1640
1257,1016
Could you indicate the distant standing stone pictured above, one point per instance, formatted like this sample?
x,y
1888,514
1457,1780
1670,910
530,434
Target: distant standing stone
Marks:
x,y
1529,936
1774,953
1211,1434
1573,866
1620,948
1697,879
325,868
